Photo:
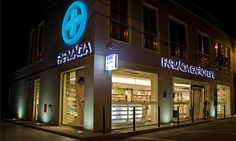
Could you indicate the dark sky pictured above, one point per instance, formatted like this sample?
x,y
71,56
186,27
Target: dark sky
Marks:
x,y
223,10
20,18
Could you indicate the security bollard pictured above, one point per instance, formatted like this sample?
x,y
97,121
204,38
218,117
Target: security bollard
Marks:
x,y
103,121
134,118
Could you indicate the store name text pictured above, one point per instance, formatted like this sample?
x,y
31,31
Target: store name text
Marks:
x,y
183,67
76,52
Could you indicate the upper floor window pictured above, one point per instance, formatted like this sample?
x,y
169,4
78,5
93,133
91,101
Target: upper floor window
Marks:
x,y
36,44
222,57
32,46
40,39
177,36
203,50
119,28
150,28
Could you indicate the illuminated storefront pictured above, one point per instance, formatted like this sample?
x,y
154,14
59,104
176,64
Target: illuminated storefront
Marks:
x,y
223,101
134,89
96,68
73,97
192,100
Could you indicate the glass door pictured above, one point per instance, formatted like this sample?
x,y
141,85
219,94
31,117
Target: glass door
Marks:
x,y
36,99
73,97
198,104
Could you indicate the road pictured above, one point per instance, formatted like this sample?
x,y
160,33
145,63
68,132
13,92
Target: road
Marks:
x,y
220,130
13,132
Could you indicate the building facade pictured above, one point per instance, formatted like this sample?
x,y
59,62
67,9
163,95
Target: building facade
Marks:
x,y
94,61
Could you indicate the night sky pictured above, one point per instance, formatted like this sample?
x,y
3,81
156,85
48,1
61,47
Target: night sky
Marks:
x,y
20,18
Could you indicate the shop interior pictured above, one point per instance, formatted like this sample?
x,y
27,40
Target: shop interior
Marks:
x,y
36,99
133,89
191,98
73,97
223,100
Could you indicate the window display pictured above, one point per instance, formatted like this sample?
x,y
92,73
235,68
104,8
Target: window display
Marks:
x,y
190,100
73,100
128,91
223,100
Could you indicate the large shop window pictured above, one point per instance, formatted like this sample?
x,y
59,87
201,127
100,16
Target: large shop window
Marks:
x,y
191,100
73,97
133,89
223,100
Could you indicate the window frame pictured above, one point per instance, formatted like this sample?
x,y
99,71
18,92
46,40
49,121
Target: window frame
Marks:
x,y
223,51
119,22
171,18
41,25
144,4
202,52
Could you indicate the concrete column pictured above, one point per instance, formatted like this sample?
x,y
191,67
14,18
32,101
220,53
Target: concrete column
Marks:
x,y
165,96
97,95
213,94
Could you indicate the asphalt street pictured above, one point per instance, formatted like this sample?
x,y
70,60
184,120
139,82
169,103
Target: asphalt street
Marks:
x,y
220,130
13,132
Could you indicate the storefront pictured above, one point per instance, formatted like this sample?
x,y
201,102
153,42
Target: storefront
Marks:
x,y
192,98
79,81
73,96
223,101
133,89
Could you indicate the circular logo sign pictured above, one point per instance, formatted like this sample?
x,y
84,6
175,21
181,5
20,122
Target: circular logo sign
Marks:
x,y
74,22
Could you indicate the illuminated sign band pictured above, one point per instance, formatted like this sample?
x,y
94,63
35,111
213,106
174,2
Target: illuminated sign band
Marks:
x,y
74,22
112,62
183,67
77,52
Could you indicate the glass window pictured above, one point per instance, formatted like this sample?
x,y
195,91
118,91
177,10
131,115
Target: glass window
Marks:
x,y
32,46
119,20
39,48
222,59
73,97
130,89
203,50
150,28
177,36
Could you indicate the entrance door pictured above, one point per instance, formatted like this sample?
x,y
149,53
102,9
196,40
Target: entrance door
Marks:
x,y
73,97
30,93
198,104
36,99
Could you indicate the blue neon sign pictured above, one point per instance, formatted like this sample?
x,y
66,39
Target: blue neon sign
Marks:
x,y
74,22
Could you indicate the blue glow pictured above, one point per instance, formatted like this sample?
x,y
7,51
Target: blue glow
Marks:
x,y
74,22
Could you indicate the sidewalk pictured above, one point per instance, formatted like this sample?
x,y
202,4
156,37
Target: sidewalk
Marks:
x,y
82,134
